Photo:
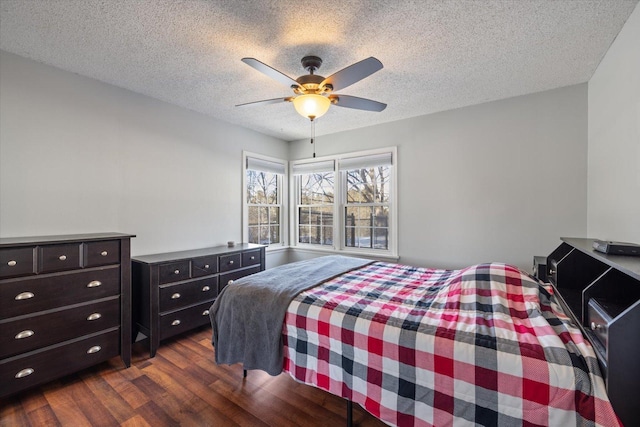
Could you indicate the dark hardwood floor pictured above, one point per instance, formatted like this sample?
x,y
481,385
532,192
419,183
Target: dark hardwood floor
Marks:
x,y
183,386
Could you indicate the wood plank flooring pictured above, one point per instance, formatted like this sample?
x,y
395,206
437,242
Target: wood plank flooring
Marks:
x,y
183,386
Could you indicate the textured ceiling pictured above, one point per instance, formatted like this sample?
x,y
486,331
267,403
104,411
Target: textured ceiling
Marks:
x,y
437,55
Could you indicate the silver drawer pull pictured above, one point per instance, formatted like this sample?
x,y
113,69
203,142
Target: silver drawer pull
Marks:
x,y
205,288
205,313
94,349
595,326
12,263
252,258
231,262
229,282
175,296
206,266
25,334
24,295
104,253
94,284
175,322
25,373
94,316
62,257
176,272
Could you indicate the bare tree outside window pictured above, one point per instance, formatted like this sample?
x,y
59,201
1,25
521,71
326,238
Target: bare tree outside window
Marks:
x,y
315,208
263,207
367,208
346,202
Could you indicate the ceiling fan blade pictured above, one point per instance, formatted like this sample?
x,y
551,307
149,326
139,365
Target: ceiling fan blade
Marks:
x,y
271,72
353,73
358,103
266,101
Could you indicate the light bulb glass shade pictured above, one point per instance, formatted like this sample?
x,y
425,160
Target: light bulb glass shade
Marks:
x,y
311,105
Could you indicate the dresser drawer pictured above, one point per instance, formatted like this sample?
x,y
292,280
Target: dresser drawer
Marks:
x,y
32,294
251,258
230,262
22,335
235,275
173,272
183,320
203,266
183,294
17,262
58,257
21,372
101,253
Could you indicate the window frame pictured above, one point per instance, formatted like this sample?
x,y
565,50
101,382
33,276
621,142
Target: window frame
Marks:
x,y
297,204
340,204
282,196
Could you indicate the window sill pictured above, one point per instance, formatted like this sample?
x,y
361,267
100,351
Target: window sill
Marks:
x,y
277,248
326,251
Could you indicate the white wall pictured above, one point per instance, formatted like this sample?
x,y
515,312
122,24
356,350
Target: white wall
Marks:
x,y
614,139
79,156
500,181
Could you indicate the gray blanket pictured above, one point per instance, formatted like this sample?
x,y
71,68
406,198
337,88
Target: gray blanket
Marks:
x,y
248,315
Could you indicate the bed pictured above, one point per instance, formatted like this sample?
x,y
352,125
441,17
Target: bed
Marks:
x,y
486,345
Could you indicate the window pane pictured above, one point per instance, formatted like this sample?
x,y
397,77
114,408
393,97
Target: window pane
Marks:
x,y
358,237
363,235
383,179
262,187
368,185
381,218
327,236
253,214
350,237
303,216
314,216
316,188
274,234
271,188
327,214
264,235
315,235
303,234
364,216
351,214
253,234
381,238
251,186
274,215
263,216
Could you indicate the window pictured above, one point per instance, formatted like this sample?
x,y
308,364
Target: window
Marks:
x,y
315,203
346,202
366,207
263,200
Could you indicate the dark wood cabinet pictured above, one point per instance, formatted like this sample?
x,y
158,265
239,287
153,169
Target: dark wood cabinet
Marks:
x,y
602,294
65,305
172,292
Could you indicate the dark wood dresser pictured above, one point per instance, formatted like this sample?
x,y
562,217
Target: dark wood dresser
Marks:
x,y
601,293
172,292
65,305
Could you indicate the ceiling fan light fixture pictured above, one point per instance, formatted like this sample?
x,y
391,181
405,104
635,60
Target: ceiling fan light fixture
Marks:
x,y
311,106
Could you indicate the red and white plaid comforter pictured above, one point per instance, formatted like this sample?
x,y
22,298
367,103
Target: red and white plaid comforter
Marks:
x,y
486,344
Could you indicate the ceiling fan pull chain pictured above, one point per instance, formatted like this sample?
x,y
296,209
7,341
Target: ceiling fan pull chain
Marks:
x,y
313,136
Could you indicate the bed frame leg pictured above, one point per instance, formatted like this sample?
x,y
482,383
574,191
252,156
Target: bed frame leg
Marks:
x,y
349,413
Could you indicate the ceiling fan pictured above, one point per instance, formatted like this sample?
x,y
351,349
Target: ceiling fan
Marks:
x,y
314,93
